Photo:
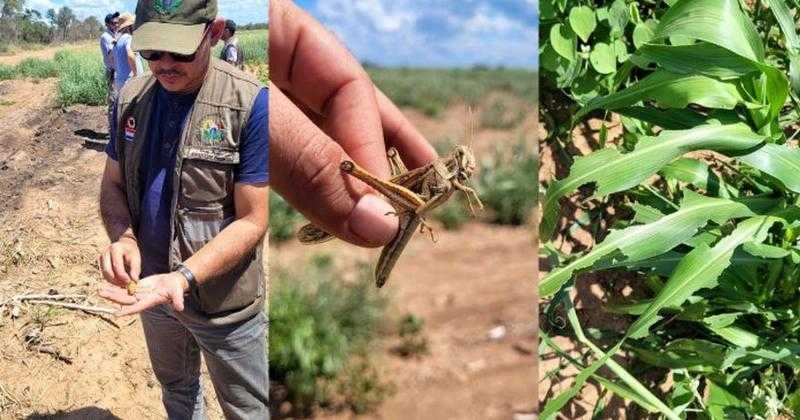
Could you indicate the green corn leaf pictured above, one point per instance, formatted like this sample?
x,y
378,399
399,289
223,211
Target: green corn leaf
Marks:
x,y
779,161
691,171
701,268
582,20
736,335
670,90
668,119
719,22
612,171
701,58
644,241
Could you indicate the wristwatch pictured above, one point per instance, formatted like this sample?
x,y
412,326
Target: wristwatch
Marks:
x,y
189,277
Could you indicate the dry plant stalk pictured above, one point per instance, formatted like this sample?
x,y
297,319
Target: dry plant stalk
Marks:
x,y
413,193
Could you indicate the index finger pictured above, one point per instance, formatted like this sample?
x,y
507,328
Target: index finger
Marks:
x,y
315,68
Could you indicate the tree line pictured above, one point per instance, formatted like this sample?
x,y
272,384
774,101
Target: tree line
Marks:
x,y
19,24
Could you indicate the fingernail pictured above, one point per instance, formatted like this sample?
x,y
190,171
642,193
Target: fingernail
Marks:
x,y
373,220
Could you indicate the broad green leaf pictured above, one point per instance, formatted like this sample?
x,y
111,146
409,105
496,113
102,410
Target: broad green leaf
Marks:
x,y
640,242
719,22
701,58
618,17
603,58
621,50
735,335
612,171
720,400
779,161
670,90
684,353
582,21
668,119
765,251
701,268
641,34
691,171
633,12
563,41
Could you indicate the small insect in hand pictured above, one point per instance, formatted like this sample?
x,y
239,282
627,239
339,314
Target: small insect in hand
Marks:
x,y
413,193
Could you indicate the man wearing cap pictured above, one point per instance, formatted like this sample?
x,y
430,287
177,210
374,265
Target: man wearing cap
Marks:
x,y
126,61
231,51
184,202
106,48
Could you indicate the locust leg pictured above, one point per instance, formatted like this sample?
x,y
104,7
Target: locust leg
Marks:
x,y
470,193
401,197
396,165
391,252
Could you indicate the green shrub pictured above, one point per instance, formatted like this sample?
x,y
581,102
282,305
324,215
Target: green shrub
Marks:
x,y
283,218
81,78
7,72
317,323
507,183
37,68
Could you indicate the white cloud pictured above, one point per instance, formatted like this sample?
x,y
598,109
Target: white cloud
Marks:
x,y
440,33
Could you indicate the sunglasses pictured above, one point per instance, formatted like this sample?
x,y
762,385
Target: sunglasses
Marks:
x,y
152,55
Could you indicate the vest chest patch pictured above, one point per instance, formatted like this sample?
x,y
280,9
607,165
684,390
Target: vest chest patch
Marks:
x,y
211,131
130,129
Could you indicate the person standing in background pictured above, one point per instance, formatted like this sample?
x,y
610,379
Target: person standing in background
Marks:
x,y
231,51
107,40
126,61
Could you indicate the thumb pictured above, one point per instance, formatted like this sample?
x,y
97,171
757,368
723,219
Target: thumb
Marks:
x,y
304,168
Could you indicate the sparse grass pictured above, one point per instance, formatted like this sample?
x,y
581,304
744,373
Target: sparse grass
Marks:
x,y
81,78
432,90
507,183
318,323
283,218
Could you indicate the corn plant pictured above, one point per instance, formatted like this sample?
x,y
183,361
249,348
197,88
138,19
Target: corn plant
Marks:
x,y
712,236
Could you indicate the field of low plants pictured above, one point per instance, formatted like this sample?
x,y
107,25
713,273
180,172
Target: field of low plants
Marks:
x,y
81,75
692,206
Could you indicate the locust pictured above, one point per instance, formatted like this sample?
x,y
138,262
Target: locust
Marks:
x,y
413,193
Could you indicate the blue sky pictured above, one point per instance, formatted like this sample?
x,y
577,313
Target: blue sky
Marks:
x,y
434,33
242,11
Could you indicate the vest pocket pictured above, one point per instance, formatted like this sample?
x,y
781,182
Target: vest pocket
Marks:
x,y
207,176
237,288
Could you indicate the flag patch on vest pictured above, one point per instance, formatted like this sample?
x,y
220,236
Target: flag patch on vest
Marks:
x,y
130,129
211,131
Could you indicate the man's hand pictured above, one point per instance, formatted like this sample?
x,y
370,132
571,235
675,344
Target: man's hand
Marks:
x,y
324,109
121,262
152,291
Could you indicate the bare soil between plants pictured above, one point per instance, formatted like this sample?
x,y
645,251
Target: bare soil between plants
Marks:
x,y
83,366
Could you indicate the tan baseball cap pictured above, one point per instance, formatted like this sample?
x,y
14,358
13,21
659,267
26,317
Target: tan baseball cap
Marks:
x,y
175,26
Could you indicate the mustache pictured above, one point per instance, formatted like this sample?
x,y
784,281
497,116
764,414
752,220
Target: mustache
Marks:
x,y
169,72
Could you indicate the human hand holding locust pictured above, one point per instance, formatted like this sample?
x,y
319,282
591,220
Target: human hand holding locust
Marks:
x,y
332,126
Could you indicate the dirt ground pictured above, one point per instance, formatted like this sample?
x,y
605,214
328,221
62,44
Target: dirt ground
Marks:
x,y
65,364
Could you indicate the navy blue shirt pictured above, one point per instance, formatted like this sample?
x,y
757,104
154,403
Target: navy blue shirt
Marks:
x,y
170,112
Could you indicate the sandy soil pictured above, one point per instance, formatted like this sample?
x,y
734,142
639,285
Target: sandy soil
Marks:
x,y
66,364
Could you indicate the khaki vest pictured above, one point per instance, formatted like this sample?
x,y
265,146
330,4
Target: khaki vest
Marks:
x,y
202,181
